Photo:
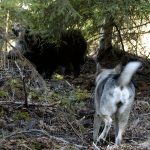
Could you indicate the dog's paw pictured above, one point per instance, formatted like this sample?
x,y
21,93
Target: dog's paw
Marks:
x,y
112,147
95,147
101,139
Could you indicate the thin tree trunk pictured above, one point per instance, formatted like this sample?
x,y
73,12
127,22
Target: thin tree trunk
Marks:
x,y
105,43
5,42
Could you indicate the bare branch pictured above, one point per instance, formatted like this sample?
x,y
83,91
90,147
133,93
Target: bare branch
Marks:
x,y
24,85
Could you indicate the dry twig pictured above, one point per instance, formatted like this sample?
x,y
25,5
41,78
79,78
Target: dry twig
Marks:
x,y
24,85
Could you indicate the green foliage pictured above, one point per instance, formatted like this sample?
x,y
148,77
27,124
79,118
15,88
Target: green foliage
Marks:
x,y
36,95
3,93
73,100
74,96
80,95
14,83
58,77
21,115
69,147
37,145
50,17
16,87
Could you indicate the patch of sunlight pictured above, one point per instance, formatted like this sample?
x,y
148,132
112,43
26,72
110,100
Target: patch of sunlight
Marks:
x,y
58,77
140,44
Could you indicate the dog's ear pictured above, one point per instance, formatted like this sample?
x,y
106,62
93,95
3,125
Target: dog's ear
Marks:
x,y
118,69
98,68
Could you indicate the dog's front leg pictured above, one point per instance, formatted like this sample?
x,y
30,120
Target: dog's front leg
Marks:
x,y
108,122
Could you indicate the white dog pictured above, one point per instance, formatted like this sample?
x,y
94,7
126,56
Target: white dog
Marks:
x,y
114,96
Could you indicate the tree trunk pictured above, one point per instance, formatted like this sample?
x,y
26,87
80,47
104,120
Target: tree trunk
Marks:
x,y
105,43
5,46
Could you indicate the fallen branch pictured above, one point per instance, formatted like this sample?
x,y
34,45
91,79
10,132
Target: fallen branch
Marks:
x,y
30,104
24,146
69,84
46,134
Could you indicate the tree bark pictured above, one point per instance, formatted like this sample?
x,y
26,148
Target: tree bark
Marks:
x,y
105,43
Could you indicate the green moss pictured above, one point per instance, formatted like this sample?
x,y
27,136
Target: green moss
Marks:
x,y
3,93
35,95
21,115
58,77
81,94
16,83
69,147
37,145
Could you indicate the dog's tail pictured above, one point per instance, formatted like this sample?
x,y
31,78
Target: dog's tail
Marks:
x,y
126,75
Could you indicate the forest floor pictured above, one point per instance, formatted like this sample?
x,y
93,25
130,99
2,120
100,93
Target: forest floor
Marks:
x,y
63,118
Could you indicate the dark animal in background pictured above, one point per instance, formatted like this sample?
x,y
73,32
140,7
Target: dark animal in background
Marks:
x,y
47,56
